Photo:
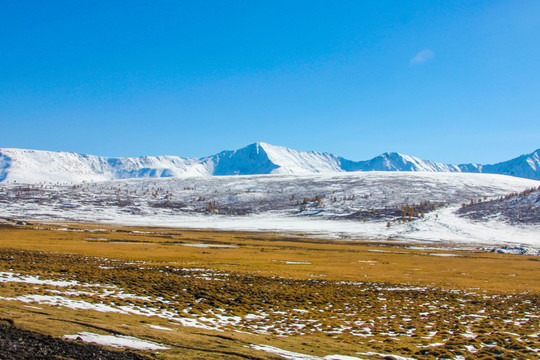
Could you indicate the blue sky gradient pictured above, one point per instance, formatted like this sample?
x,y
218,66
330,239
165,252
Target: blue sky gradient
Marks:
x,y
449,81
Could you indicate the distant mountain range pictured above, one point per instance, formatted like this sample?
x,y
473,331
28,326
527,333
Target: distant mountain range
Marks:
x,y
34,166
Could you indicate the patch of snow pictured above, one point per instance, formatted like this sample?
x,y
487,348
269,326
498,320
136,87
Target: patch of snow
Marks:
x,y
157,327
517,250
469,334
255,317
33,307
117,341
210,246
64,302
290,355
132,243
294,262
28,279
470,348
432,345
396,357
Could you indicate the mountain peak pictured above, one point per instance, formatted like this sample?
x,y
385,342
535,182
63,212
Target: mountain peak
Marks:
x,y
392,154
249,160
269,147
255,147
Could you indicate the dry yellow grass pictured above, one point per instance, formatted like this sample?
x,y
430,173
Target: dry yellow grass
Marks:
x,y
269,254
322,294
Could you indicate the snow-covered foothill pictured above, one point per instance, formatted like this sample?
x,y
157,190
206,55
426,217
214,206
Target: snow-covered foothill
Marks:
x,y
349,207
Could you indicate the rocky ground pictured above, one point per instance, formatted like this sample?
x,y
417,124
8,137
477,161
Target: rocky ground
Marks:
x,y
19,344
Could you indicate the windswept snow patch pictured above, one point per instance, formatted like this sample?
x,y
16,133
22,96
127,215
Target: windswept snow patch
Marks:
x,y
117,341
298,356
395,357
157,327
210,246
64,302
28,279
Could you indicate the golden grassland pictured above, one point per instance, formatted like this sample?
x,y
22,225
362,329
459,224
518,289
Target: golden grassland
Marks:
x,y
267,255
312,296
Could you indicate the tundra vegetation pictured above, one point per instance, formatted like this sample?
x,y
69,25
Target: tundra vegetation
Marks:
x,y
202,294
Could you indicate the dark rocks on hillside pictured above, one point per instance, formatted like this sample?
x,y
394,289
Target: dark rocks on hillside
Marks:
x,y
17,344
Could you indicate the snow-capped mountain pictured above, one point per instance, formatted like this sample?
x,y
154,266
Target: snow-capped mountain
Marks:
x,y
34,166
262,158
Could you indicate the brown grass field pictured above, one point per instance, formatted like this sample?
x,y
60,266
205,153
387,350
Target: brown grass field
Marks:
x,y
366,299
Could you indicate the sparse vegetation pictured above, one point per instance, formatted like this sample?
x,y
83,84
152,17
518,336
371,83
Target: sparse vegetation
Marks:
x,y
522,207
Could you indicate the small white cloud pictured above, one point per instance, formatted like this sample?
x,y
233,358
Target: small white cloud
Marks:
x,y
422,57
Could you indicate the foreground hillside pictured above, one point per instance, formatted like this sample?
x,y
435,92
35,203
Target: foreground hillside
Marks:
x,y
178,294
33,166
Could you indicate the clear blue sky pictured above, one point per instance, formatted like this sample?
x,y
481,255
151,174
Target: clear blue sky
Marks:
x,y
450,81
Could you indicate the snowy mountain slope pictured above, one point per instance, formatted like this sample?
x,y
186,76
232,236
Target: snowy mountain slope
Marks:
x,y
526,166
297,162
249,160
261,158
470,168
5,164
33,166
398,162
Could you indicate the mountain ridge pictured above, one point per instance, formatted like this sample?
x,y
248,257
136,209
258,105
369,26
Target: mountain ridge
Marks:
x,y
34,166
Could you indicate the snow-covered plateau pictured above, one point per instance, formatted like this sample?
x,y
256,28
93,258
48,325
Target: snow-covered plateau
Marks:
x,y
398,206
